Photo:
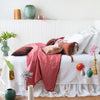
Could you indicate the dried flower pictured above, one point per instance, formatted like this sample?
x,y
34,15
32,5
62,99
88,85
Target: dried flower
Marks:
x,y
26,74
92,51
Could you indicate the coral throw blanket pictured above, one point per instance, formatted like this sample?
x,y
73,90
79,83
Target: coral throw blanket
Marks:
x,y
45,67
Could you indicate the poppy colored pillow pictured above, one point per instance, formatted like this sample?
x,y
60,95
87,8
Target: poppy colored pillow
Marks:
x,y
22,51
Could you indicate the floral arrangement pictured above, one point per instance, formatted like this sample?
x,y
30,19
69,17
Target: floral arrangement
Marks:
x,y
95,66
6,35
92,51
26,74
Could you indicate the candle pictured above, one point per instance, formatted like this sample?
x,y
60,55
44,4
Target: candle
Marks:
x,y
17,14
30,92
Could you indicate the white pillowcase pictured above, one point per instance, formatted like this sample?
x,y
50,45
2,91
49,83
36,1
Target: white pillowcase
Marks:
x,y
94,41
82,38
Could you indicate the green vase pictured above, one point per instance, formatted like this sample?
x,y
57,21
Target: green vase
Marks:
x,y
10,94
89,72
29,12
5,48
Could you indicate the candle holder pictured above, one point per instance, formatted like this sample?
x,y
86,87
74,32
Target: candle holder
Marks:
x,y
17,14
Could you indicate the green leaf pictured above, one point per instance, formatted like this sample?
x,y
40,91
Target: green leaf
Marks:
x,y
10,66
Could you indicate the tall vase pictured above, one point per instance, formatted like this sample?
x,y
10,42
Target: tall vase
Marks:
x,y
5,48
29,12
95,66
10,94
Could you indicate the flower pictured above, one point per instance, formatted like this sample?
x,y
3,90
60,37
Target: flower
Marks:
x,y
92,51
26,74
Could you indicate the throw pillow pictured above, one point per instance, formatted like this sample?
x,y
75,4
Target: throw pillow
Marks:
x,y
22,51
51,42
51,49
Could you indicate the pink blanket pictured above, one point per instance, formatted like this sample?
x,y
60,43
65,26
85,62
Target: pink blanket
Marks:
x,y
45,67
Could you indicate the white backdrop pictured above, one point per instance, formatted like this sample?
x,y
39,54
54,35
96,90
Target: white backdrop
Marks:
x,y
54,9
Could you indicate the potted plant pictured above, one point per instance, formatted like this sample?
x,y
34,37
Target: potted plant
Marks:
x,y
3,39
11,70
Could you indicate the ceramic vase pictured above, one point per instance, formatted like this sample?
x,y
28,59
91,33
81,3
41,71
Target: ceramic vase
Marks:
x,y
10,94
89,73
5,48
11,75
17,14
29,12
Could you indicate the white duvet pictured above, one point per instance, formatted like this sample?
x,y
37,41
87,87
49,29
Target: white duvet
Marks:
x,y
69,81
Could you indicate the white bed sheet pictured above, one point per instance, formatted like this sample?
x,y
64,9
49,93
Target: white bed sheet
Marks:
x,y
69,82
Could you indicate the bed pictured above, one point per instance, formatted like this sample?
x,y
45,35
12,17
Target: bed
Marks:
x,y
69,82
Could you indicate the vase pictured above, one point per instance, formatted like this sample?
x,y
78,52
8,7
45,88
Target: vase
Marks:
x,y
89,73
17,14
10,94
11,75
95,66
5,48
29,12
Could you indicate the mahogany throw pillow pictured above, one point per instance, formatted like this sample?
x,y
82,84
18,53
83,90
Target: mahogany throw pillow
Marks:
x,y
68,48
22,51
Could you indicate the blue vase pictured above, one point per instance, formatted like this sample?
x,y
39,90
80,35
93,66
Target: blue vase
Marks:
x,y
5,48
29,12
10,94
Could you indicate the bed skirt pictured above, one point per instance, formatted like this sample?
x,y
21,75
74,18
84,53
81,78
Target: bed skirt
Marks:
x,y
61,90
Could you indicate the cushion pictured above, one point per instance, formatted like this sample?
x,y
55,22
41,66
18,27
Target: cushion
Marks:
x,y
22,51
68,48
51,49
51,42
82,38
57,43
94,41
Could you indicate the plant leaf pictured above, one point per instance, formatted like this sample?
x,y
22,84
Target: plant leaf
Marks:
x,y
10,66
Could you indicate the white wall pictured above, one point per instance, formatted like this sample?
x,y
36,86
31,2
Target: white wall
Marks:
x,y
54,9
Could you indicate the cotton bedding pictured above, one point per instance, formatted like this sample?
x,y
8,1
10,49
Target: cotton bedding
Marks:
x,y
69,82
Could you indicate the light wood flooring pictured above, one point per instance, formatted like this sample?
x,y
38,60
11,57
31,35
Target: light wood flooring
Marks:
x,y
61,98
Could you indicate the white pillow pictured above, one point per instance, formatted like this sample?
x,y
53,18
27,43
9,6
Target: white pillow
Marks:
x,y
94,41
82,38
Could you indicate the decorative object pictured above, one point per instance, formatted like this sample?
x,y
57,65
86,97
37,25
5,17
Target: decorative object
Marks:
x,y
29,12
83,72
5,48
22,51
3,39
11,70
26,75
17,14
80,66
30,92
95,66
10,94
89,73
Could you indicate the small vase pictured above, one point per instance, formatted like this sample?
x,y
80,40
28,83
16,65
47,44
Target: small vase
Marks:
x,y
5,48
95,66
10,94
29,12
11,75
89,73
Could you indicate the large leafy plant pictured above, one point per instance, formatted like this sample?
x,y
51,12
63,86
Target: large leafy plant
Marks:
x,y
10,66
6,35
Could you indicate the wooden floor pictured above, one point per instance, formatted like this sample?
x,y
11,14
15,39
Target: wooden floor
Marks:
x,y
60,98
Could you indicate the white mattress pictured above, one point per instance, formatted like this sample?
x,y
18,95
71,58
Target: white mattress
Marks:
x,y
69,81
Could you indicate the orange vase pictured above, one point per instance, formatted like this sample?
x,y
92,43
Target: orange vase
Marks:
x,y
17,14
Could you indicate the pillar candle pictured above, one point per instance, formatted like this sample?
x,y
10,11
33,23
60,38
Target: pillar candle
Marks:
x,y
30,92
